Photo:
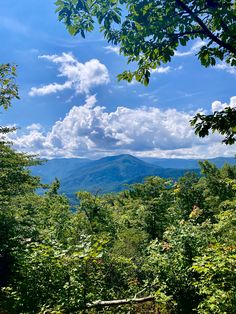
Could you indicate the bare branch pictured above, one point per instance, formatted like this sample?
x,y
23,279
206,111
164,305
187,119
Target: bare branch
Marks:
x,y
120,302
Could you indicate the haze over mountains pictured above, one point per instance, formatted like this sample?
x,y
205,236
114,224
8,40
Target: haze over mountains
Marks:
x,y
111,174
178,163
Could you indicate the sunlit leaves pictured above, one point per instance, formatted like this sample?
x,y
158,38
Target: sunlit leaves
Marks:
x,y
217,278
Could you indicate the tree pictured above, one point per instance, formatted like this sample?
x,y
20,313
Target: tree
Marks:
x,y
191,267
149,33
216,279
8,87
15,179
222,121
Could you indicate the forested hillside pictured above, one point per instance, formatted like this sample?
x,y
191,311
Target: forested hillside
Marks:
x,y
105,175
113,173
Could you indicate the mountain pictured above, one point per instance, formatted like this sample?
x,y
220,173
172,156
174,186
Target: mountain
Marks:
x,y
58,168
109,174
187,163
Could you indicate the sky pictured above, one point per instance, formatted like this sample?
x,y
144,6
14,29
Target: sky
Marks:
x,y
72,104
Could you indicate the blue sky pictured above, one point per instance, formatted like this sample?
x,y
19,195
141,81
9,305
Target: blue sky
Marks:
x,y
72,104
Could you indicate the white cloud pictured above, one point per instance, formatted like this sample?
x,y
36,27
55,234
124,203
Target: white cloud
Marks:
x,y
92,131
144,95
34,127
212,150
225,67
161,70
165,70
81,77
218,105
113,49
193,50
49,89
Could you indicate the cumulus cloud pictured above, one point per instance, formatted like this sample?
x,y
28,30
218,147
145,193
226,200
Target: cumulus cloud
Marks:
x,y
193,50
218,105
225,67
92,131
34,126
81,77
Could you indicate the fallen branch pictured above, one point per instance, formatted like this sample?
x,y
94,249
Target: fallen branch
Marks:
x,y
121,302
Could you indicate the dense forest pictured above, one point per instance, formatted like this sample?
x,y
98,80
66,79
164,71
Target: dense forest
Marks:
x,y
158,247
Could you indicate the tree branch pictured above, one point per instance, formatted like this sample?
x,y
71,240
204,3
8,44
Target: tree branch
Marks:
x,y
177,35
120,302
205,28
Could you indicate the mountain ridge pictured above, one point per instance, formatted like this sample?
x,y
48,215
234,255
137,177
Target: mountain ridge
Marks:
x,y
181,163
112,173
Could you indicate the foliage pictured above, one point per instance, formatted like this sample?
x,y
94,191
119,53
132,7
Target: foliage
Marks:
x,y
15,182
222,121
8,87
171,240
189,193
153,211
15,178
149,32
50,273
216,279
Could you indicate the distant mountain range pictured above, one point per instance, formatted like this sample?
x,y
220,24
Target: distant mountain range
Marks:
x,y
177,163
111,174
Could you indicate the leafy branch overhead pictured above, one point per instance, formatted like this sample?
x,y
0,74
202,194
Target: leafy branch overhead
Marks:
x,y
8,87
222,121
149,32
